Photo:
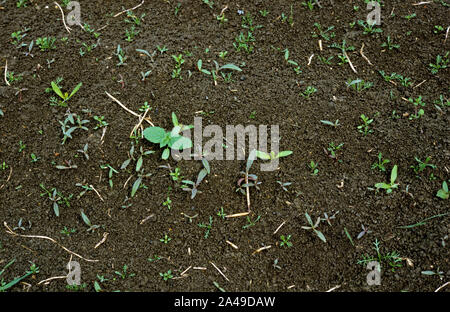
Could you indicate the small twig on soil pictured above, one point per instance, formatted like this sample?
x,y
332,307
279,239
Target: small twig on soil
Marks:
x,y
105,236
247,192
350,62
127,109
7,180
448,283
446,33
334,288
241,214
103,135
199,268
219,271
424,2
231,244
47,281
6,71
146,219
320,45
130,9
290,287
141,119
96,192
11,232
261,249
126,182
419,84
63,18
310,59
184,272
278,228
362,54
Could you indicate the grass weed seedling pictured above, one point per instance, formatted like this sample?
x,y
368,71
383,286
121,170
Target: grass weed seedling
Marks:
x,y
5,286
171,139
86,220
192,187
389,187
313,227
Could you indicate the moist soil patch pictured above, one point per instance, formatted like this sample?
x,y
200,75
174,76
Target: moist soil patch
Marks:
x,y
266,92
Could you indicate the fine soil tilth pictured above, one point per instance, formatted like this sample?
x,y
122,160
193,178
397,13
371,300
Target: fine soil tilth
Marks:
x,y
266,92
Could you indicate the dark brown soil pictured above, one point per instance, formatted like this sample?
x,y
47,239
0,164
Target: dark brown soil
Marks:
x,y
267,89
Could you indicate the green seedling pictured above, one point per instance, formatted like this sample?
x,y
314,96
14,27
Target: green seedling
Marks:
x,y
120,53
176,73
417,103
284,185
22,146
110,173
438,29
441,63
358,84
221,213
166,239
166,276
100,122
309,4
64,96
364,128
131,33
133,18
124,274
5,286
349,236
330,123
34,158
431,273
291,62
144,75
86,220
325,34
381,162
443,192
313,166
46,43
310,90
424,221
215,72
162,50
332,149
313,227
264,12
285,241
67,232
390,44
248,177
422,165
325,60
67,129
11,77
393,258
192,187
171,139
56,197
272,155
66,166
369,28
327,218
22,3
207,227
363,232
251,223
85,188
410,16
389,187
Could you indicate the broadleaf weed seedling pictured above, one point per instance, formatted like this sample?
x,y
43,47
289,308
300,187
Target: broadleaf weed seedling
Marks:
x,y
110,173
443,192
64,96
332,150
56,197
358,84
369,28
46,43
389,187
310,90
67,129
215,72
441,63
179,60
124,274
284,185
325,34
364,128
207,227
166,239
171,139
120,53
380,164
422,165
167,275
390,44
417,103
285,241
313,166
393,258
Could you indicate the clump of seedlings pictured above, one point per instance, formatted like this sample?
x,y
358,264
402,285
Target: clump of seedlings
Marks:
x,y
358,84
71,124
392,258
332,150
191,186
171,139
380,163
215,72
364,128
313,227
441,63
325,34
389,187
417,112
46,43
56,197
207,227
179,60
